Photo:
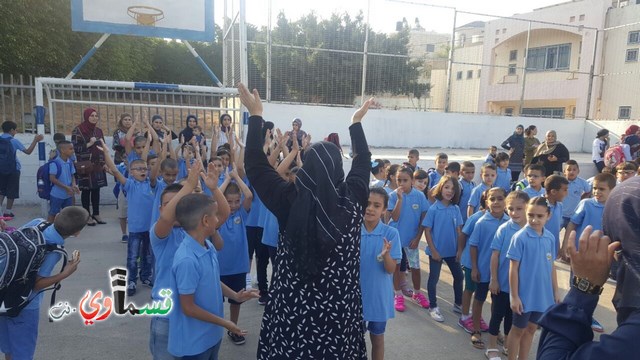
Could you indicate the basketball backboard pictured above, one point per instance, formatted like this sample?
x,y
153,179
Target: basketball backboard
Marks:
x,y
183,19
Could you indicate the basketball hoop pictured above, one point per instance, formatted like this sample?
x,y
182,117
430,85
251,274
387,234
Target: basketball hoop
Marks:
x,y
145,15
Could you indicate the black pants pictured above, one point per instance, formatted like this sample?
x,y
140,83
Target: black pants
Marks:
x,y
91,196
254,237
515,175
599,165
500,309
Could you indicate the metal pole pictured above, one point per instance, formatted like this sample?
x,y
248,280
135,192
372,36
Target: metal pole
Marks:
x,y
524,70
269,52
364,55
447,101
40,110
203,64
225,65
244,73
591,77
88,56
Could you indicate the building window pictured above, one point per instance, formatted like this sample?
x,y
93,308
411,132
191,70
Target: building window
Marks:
x,y
582,17
508,112
513,55
555,113
632,55
479,72
555,57
572,19
431,48
512,69
634,37
469,74
459,75
497,31
624,112
504,30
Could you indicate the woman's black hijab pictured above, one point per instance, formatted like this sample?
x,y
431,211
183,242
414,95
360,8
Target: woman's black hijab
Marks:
x,y
187,132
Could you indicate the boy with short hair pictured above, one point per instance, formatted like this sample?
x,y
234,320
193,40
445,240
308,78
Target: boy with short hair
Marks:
x,y
578,189
413,157
503,178
488,175
453,169
491,156
168,175
61,172
198,319
556,187
19,335
535,177
442,160
468,172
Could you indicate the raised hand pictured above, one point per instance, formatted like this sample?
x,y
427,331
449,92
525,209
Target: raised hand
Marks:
x,y
251,100
194,174
386,247
211,177
361,112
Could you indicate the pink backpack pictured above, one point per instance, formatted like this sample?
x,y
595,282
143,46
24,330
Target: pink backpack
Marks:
x,y
613,156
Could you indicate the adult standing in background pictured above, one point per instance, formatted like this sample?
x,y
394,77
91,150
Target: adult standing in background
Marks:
x,y
632,138
515,145
295,133
119,137
223,134
86,141
598,148
531,143
187,133
551,154
157,123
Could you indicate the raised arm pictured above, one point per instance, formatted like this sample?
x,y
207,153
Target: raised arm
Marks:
x,y
168,214
111,165
129,136
248,195
358,178
211,182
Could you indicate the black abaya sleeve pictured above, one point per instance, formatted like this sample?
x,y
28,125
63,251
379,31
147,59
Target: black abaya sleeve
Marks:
x,y
562,153
276,193
358,178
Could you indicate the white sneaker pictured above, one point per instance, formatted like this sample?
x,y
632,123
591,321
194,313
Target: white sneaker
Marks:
x,y
436,315
248,282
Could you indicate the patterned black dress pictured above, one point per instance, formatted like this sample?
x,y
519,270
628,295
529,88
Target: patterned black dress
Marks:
x,y
319,318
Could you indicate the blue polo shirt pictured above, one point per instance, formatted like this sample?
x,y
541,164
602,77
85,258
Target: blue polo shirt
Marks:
x,y
533,193
414,204
476,194
467,230
536,254
257,207
132,156
588,212
271,230
443,220
157,201
51,236
577,187
17,145
66,172
164,249
195,271
481,238
501,242
466,188
140,196
555,221
434,178
503,179
234,256
375,282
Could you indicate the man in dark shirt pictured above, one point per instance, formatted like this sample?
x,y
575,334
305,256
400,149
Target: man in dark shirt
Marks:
x,y
566,326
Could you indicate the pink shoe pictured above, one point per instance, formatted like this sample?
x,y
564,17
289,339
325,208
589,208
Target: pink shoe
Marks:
x,y
467,325
398,301
483,325
407,292
420,299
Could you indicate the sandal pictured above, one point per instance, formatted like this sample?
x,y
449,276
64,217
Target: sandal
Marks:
x,y
505,351
476,340
488,351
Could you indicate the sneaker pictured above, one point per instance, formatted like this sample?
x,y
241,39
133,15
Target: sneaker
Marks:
x,y
483,325
421,300
125,239
457,309
248,282
263,299
236,339
436,315
8,214
596,326
131,289
398,301
147,283
467,325
407,292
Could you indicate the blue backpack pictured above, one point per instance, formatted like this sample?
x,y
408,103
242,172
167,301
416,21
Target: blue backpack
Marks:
x,y
7,156
44,181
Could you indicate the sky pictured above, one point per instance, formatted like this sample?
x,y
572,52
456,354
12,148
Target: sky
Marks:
x,y
385,13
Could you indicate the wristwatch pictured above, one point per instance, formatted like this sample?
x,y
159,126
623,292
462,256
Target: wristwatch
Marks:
x,y
586,286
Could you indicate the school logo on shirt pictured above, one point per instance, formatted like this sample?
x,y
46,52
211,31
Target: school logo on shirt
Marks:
x,y
415,206
237,220
549,256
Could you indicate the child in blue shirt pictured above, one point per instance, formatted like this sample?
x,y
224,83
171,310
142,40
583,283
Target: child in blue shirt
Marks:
x,y
197,318
140,190
535,177
442,227
19,335
168,176
503,177
480,253
61,172
532,277
578,189
467,173
379,255
499,284
442,160
556,187
407,208
491,156
488,174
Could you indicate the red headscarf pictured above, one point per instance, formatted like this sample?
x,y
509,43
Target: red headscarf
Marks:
x,y
631,130
87,128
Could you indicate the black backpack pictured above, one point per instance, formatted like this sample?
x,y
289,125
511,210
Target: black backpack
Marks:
x,y
21,255
7,156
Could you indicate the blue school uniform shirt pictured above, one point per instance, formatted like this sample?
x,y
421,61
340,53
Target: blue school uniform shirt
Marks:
x,y
234,256
257,207
476,194
270,229
465,194
577,187
533,193
195,271
443,220
414,204
66,172
434,178
501,242
555,221
375,282
467,229
481,238
17,145
490,159
164,249
536,254
140,196
157,201
375,183
588,212
503,179
134,156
